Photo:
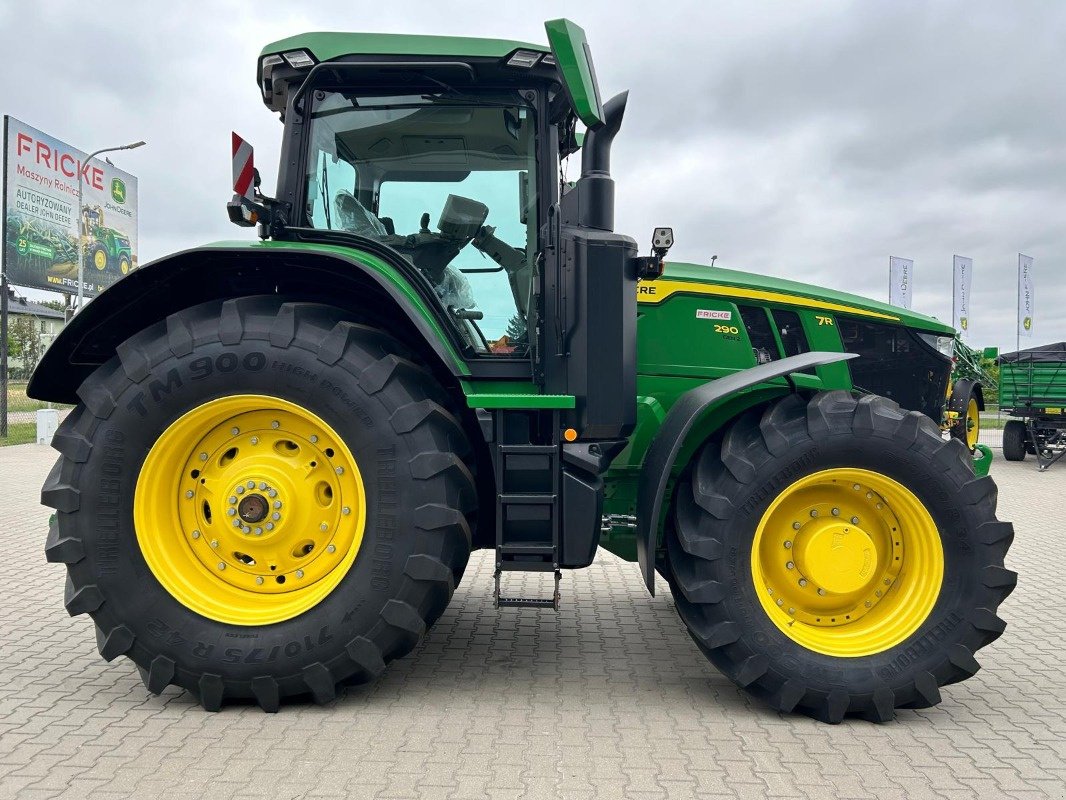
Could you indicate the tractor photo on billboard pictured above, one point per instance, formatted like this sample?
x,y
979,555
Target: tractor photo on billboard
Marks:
x,y
285,450
105,248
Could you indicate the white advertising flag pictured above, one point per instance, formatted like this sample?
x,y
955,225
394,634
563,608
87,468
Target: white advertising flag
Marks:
x,y
1026,296
960,301
900,281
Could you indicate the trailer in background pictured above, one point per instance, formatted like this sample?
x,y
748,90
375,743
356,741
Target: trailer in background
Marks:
x,y
1032,389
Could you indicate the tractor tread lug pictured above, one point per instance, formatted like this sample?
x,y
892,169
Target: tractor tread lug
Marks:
x,y
837,703
266,693
81,600
366,655
134,360
72,446
59,549
988,621
159,674
751,669
882,706
719,635
179,335
116,642
404,616
705,591
422,567
211,690
789,696
928,690
319,681
962,659
57,493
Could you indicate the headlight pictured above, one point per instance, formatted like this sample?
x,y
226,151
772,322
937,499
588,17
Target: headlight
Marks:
x,y
945,345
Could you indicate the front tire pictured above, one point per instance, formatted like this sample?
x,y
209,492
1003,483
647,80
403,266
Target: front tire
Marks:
x,y
800,587
967,425
292,403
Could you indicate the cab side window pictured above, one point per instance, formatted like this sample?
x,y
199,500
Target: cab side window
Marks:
x,y
790,329
760,333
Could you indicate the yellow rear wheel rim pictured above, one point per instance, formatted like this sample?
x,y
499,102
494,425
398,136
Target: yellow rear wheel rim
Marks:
x,y
847,562
249,510
973,423
100,260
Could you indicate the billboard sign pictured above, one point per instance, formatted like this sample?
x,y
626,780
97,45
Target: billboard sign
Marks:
x,y
900,281
42,226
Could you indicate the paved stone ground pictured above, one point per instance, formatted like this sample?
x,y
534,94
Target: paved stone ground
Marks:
x,y
609,698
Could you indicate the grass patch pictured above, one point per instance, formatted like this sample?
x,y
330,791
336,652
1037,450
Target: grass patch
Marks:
x,y
20,433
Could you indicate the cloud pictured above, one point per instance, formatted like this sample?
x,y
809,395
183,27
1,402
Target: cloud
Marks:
x,y
804,140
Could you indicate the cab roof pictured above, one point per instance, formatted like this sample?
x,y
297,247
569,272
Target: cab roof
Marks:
x,y
325,46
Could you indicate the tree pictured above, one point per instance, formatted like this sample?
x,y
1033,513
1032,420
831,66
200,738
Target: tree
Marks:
x,y
516,329
24,341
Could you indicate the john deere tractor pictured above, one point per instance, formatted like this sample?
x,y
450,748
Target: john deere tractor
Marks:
x,y
107,249
285,450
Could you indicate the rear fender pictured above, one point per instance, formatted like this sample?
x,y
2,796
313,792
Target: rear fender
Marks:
x,y
664,448
334,275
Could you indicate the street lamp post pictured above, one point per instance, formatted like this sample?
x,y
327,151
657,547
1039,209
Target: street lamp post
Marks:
x,y
81,233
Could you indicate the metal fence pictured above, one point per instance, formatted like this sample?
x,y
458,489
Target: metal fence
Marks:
x,y
21,427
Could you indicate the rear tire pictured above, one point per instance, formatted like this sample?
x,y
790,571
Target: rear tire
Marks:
x,y
720,513
1015,443
387,411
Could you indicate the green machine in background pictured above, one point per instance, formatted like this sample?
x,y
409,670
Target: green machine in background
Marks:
x,y
285,451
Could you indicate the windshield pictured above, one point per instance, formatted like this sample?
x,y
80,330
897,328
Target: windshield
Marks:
x,y
446,181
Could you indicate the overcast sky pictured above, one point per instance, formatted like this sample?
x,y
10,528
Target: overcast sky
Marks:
x,y
806,140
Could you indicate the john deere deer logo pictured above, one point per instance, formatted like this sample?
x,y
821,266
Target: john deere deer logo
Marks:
x,y
118,190
964,323
1027,323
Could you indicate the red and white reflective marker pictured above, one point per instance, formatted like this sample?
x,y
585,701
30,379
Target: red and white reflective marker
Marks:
x,y
243,167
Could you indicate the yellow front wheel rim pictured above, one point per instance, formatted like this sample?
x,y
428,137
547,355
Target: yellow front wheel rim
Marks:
x,y
847,562
249,510
973,423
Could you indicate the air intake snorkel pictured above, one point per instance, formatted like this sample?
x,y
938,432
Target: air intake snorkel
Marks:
x,y
595,191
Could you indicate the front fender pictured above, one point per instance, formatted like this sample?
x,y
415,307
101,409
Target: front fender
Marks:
x,y
312,272
663,450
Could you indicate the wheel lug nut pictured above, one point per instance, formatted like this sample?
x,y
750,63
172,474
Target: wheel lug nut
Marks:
x,y
790,565
340,470
346,510
262,486
796,526
792,611
856,487
814,512
836,512
233,500
854,520
251,484
788,544
868,604
259,580
888,581
240,490
236,523
331,548
323,527
314,439
869,495
234,431
214,542
803,581
189,494
878,592
221,564
270,526
203,456
196,534
277,504
821,592
231,511
299,573
258,531
255,440
275,516
780,602
275,424
245,529
272,493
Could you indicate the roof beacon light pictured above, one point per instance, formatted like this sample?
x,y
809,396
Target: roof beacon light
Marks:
x,y
299,59
523,58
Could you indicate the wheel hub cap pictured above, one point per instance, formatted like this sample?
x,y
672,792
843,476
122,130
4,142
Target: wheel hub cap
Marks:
x,y
837,557
253,508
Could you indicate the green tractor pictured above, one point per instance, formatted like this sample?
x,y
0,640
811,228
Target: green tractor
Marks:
x,y
107,248
285,450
